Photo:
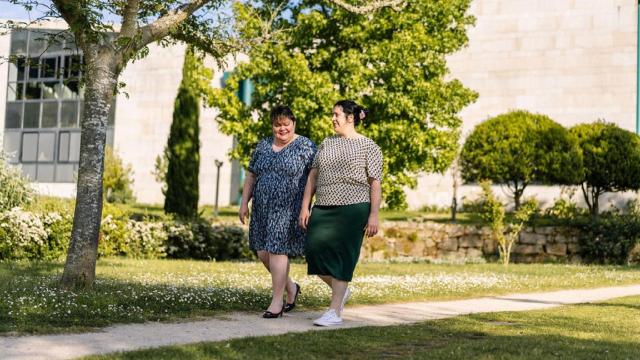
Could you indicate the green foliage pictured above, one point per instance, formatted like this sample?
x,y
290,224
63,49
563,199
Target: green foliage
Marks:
x,y
202,241
22,234
493,213
565,208
609,238
58,227
44,204
44,234
183,147
611,160
15,189
114,235
323,54
120,235
160,168
117,179
519,148
29,235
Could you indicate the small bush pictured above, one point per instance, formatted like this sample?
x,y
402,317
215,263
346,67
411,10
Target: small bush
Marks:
x,y
22,235
15,190
46,204
564,207
58,229
609,238
200,240
473,205
146,240
493,213
117,179
114,235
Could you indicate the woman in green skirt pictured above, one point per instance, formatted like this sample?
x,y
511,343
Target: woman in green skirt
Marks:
x,y
345,177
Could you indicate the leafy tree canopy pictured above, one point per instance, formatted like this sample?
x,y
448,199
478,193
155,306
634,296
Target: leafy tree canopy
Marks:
x,y
391,62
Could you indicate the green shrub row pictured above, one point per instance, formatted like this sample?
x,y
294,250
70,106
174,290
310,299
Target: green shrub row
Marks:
x,y
609,239
33,235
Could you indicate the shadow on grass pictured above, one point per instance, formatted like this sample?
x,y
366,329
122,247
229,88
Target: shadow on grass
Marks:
x,y
10,269
628,306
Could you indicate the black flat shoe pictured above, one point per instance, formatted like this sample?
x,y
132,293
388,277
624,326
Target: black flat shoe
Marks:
x,y
269,315
288,307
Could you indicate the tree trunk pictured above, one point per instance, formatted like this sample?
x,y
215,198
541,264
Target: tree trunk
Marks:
x,y
517,190
454,200
587,196
595,202
517,196
100,77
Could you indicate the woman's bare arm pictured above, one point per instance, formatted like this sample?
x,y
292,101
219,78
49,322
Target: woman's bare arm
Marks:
x,y
309,191
376,199
247,194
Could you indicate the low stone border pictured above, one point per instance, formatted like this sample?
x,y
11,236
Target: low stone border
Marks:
x,y
432,240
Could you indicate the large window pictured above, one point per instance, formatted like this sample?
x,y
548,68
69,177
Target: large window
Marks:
x,y
45,99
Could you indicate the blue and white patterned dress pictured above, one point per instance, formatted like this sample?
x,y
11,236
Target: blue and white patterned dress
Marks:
x,y
277,196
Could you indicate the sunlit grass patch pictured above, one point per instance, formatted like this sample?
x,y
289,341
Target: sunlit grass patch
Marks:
x,y
149,290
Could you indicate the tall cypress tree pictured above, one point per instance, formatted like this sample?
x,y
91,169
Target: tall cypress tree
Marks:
x,y
183,146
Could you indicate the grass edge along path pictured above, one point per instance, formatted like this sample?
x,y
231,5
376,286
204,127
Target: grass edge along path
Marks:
x,y
130,337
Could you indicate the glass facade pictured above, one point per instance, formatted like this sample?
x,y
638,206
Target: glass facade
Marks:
x,y
44,102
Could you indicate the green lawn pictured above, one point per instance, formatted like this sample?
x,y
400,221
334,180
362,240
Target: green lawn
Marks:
x,y
148,290
607,330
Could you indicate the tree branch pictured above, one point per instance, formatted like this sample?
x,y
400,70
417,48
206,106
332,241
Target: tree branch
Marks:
x,y
163,26
69,11
370,7
73,15
130,19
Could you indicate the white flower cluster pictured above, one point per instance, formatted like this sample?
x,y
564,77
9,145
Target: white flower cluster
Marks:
x,y
149,237
15,189
182,231
22,229
51,218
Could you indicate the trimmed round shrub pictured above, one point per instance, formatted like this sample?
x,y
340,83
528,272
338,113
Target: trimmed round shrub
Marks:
x,y
519,148
611,160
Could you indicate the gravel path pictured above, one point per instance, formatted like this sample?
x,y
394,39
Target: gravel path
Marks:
x,y
238,325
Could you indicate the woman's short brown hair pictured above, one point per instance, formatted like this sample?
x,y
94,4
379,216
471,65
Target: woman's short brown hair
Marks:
x,y
282,111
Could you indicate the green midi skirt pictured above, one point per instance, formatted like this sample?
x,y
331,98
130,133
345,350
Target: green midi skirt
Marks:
x,y
334,239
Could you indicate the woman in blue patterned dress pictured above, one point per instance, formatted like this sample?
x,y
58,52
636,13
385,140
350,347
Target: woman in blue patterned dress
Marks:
x,y
276,179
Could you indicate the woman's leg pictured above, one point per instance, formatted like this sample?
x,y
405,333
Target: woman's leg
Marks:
x,y
339,288
326,278
291,286
278,267
264,257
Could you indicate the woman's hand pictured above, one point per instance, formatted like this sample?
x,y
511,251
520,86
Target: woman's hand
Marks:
x,y
303,220
372,226
243,212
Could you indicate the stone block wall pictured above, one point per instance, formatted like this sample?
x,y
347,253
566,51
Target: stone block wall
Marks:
x,y
433,240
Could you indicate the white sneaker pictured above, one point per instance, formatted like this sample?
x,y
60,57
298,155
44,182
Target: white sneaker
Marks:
x,y
345,298
329,318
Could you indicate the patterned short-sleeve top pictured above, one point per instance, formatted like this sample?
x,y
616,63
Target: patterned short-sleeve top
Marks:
x,y
344,168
